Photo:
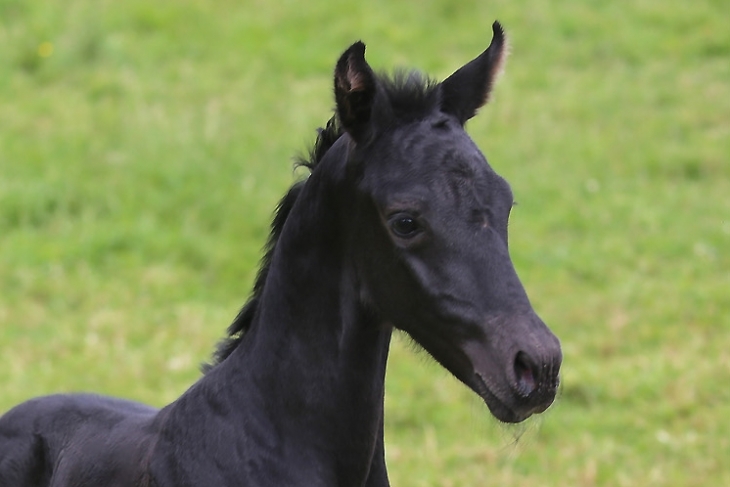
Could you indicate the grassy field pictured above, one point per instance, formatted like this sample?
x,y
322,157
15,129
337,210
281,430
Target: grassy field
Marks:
x,y
144,145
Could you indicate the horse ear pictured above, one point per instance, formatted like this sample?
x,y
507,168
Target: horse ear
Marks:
x,y
354,90
468,89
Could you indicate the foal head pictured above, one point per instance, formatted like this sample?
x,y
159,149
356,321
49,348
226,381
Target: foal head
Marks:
x,y
429,233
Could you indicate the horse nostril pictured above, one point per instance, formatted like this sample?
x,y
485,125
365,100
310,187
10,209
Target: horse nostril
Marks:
x,y
525,375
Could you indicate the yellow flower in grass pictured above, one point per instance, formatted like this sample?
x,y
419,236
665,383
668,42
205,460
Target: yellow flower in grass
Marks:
x,y
45,49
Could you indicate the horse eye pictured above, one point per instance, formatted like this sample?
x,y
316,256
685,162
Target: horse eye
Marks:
x,y
404,226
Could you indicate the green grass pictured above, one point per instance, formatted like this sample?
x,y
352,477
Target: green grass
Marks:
x,y
144,145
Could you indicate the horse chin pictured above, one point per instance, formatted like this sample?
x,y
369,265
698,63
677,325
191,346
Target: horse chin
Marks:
x,y
497,407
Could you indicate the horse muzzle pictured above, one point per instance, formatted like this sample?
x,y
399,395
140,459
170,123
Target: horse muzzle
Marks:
x,y
516,371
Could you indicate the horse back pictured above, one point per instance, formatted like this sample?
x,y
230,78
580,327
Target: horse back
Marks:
x,y
75,439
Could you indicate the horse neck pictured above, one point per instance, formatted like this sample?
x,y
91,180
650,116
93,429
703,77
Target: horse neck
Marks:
x,y
311,336
310,370
311,328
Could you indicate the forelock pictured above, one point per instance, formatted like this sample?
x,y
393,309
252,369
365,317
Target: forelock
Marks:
x,y
408,95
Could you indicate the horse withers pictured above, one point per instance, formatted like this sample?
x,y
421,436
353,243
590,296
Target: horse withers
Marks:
x,y
401,224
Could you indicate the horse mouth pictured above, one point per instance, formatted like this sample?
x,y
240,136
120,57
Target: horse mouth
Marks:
x,y
502,411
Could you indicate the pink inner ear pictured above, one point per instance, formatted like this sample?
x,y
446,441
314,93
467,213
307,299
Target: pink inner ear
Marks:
x,y
355,78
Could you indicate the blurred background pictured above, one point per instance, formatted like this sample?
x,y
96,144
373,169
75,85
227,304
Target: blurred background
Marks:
x,y
143,146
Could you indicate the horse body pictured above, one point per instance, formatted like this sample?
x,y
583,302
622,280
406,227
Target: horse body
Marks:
x,y
401,224
74,439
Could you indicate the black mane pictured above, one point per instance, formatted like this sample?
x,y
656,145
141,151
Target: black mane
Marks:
x,y
407,95
325,139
